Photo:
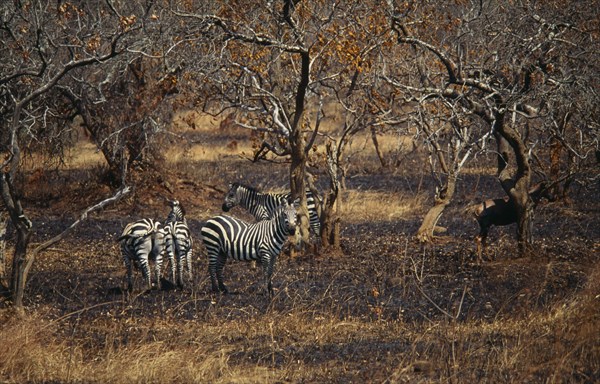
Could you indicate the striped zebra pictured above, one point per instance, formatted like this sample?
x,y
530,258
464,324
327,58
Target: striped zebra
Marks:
x,y
177,212
263,205
178,243
141,242
225,236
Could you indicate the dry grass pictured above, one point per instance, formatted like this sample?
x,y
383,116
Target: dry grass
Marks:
x,y
46,355
216,152
387,310
361,206
86,155
299,345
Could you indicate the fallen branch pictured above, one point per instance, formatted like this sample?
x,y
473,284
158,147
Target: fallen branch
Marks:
x,y
47,244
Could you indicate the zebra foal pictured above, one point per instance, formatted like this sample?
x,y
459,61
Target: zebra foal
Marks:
x,y
178,243
225,236
142,241
263,205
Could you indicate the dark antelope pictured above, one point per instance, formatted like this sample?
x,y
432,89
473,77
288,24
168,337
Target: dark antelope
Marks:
x,y
501,212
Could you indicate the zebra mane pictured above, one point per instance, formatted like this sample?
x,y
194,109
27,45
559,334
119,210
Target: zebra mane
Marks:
x,y
182,210
237,185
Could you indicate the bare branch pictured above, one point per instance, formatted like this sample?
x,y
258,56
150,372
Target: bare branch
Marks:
x,y
82,217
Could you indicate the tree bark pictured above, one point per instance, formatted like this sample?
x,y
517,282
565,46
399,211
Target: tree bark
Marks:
x,y
443,197
377,149
23,228
517,186
330,231
19,264
3,284
298,184
298,152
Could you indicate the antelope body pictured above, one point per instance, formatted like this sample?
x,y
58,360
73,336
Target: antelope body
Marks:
x,y
500,212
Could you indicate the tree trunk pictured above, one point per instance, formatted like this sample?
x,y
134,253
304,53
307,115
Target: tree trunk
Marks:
x,y
19,267
3,222
516,187
330,231
22,226
524,206
443,197
298,185
377,149
298,152
330,220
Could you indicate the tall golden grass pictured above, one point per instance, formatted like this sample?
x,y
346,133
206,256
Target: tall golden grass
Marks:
x,y
300,345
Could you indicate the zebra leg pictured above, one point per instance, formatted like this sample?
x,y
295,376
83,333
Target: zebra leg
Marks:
x,y
157,266
212,271
129,269
143,263
267,262
180,261
188,262
170,248
220,265
143,253
216,262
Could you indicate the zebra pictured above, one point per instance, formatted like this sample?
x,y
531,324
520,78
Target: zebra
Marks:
x,y
141,241
263,205
177,212
225,236
178,243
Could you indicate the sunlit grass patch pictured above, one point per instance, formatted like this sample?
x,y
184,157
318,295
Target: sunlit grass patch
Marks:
x,y
380,206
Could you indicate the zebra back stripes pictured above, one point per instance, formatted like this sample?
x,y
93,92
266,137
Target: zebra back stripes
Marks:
x,y
141,242
263,205
178,243
225,236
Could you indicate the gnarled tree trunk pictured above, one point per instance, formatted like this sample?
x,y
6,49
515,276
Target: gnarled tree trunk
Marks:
x,y
517,186
443,197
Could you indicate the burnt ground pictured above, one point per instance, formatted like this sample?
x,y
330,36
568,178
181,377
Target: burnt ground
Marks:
x,y
381,276
87,270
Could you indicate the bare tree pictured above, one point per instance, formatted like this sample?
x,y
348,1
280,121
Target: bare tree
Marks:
x,y
282,66
43,43
501,63
258,42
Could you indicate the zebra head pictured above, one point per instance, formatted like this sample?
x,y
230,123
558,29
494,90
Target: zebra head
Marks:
x,y
232,197
289,216
177,212
175,206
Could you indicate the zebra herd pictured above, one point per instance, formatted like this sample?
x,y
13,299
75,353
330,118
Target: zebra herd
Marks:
x,y
223,237
145,240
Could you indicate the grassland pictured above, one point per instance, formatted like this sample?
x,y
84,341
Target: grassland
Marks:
x,y
383,310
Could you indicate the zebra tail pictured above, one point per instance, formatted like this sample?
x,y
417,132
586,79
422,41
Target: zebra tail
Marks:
x,y
131,235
